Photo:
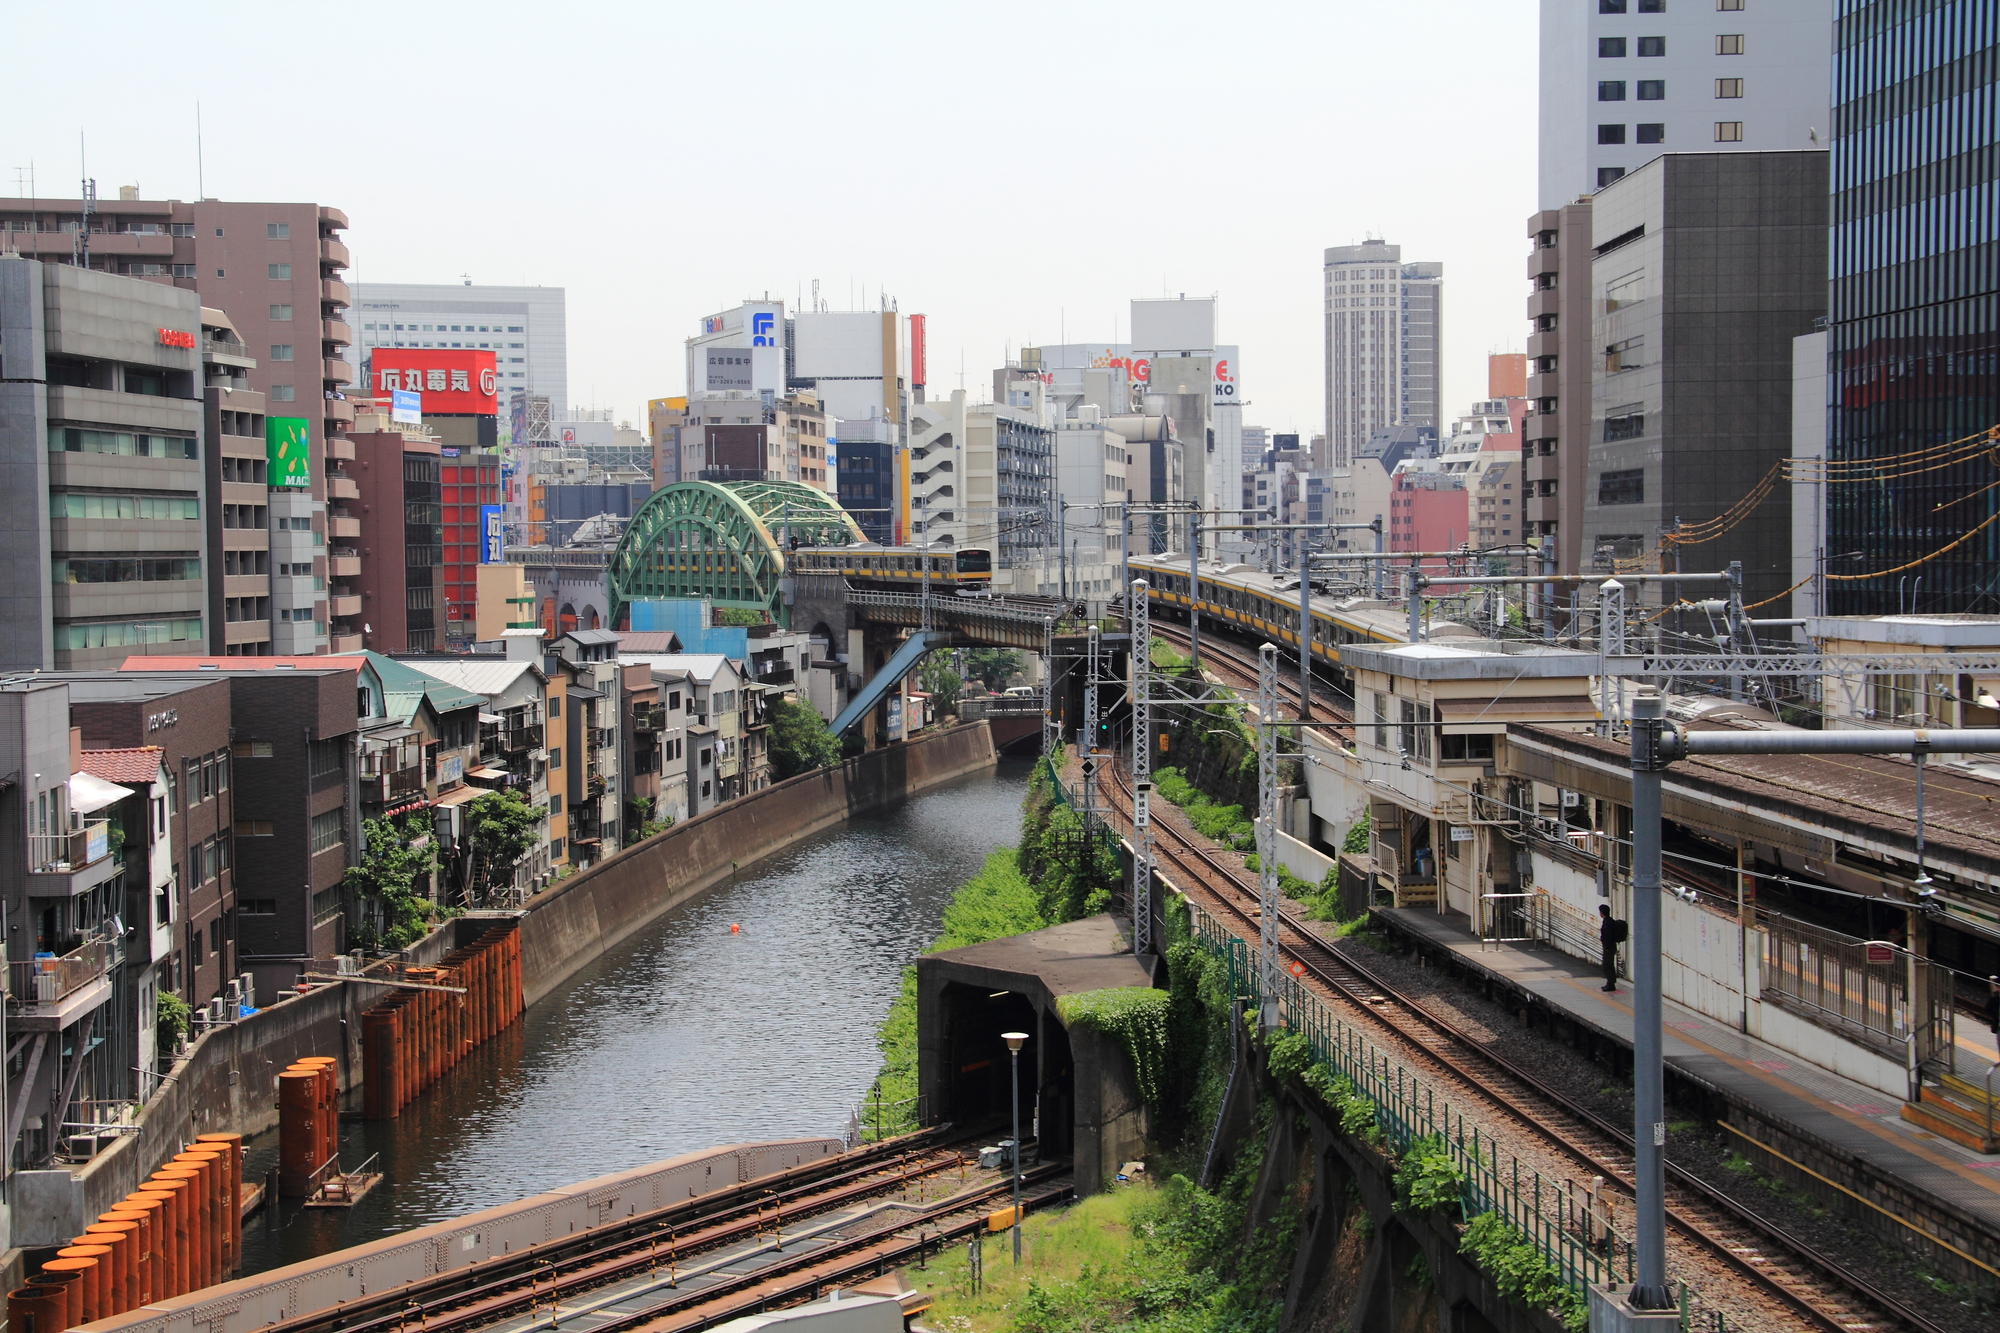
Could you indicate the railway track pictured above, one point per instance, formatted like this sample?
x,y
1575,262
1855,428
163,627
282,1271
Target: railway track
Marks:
x,y
1756,1250
768,1242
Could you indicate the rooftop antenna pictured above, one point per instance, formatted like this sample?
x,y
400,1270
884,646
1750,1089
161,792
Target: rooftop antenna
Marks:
x,y
467,277
81,251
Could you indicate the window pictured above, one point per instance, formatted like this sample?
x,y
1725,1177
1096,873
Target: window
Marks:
x,y
1465,749
1652,6
1381,721
251,749
1624,423
281,351
1729,43
555,849
555,805
1729,131
1652,46
1730,6
1653,133
1606,175
256,828
1611,6
1622,488
1628,354
256,906
555,756
1611,90
279,272
1652,90
277,231
1623,291
65,504
281,312
323,758
1610,48
327,831
282,393
555,705
1605,134
71,439
184,270
1728,88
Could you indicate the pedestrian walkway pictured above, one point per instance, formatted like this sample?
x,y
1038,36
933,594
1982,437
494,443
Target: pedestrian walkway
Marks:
x,y
1846,1117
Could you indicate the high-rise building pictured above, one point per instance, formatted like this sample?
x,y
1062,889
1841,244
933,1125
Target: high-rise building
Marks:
x,y
276,270
1623,81
235,460
1384,322
1914,306
100,452
1705,267
522,326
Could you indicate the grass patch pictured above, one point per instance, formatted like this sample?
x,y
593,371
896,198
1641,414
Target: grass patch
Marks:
x,y
1077,1247
1224,824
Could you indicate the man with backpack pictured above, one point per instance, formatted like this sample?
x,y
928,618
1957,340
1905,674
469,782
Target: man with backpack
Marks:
x,y
1611,932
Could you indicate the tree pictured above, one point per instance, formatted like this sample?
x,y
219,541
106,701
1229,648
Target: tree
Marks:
x,y
992,667
739,615
389,878
639,822
940,682
501,828
800,739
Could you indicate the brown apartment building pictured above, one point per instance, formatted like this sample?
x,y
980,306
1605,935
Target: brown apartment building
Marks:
x,y
396,473
1555,449
188,721
276,270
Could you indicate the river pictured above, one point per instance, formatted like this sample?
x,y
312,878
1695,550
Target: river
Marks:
x,y
685,1037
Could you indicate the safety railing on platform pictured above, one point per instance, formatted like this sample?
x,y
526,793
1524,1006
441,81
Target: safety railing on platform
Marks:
x,y
1861,989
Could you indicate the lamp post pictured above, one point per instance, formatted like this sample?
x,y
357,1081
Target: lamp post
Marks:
x,y
1014,1041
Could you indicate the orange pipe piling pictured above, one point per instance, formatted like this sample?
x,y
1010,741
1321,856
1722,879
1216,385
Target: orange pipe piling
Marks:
x,y
66,1274
298,1131
123,1238
175,1196
233,1197
214,1166
38,1308
194,1206
95,1277
144,1214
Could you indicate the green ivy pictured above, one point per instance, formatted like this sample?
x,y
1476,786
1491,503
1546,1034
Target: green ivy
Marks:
x,y
1359,839
1519,1270
1426,1177
1290,1057
1138,1017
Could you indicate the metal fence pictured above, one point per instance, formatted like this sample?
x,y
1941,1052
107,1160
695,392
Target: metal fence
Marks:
x,y
1861,989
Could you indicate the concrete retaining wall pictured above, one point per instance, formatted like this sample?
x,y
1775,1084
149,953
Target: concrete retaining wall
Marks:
x,y
577,920
227,1081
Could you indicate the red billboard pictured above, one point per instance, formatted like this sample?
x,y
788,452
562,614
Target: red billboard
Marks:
x,y
919,351
453,381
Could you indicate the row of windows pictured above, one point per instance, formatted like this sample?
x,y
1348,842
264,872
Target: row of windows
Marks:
x,y
443,328
1655,90
124,444
126,633
1614,134
166,570
1613,48
1660,6
71,504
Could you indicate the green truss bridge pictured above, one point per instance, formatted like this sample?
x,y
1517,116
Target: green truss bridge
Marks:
x,y
722,540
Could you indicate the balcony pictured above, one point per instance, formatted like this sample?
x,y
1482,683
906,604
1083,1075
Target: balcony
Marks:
x,y
516,738
344,565
648,718
337,331
336,371
48,993
333,291
222,353
339,409
341,607
332,252
341,487
340,525
339,447
60,864
343,643
393,785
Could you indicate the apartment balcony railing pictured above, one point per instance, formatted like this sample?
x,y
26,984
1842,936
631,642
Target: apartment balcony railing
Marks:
x,y
52,978
61,853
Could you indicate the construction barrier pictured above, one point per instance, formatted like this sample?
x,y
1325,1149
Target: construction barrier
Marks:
x,y
413,1037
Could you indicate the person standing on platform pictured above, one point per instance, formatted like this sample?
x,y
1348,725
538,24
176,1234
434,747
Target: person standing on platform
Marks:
x,y
1610,934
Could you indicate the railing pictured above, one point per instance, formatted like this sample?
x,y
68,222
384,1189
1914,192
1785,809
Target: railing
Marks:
x,y
46,980
61,853
1572,1229
1833,979
525,736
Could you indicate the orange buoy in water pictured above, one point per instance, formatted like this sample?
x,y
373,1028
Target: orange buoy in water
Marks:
x,y
735,929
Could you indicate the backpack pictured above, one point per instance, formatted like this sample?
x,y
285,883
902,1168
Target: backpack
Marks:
x,y
1616,931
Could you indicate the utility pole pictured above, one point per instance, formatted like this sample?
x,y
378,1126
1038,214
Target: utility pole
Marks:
x,y
1649,1121
1194,591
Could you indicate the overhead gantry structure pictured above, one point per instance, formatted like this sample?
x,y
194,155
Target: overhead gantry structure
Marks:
x,y
726,541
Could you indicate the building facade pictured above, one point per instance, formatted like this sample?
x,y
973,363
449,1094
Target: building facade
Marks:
x,y
524,328
1914,304
1623,81
1384,323
1556,431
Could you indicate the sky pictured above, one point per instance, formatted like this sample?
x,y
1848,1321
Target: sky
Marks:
x,y
1016,172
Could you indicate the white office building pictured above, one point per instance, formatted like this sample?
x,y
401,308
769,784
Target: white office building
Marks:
x,y
522,326
1623,81
1384,320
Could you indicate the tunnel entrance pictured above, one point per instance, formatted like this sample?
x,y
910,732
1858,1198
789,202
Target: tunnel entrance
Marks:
x,y
977,1060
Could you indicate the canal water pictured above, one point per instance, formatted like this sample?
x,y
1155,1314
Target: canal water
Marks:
x,y
684,1037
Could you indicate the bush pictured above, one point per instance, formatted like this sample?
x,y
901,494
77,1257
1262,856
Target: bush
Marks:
x,y
172,1020
1426,1177
1223,824
800,739
1519,1270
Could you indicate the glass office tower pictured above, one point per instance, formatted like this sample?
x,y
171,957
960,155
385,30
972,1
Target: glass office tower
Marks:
x,y
1915,309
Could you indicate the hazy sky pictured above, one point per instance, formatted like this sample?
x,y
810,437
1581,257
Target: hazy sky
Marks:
x,y
1018,172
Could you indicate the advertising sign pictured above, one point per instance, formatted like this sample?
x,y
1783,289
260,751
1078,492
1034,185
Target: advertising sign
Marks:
x,y
287,452
406,405
454,381
728,368
1225,378
492,534
895,717
711,324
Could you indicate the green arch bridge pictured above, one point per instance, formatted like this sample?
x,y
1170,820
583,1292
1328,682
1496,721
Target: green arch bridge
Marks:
x,y
721,540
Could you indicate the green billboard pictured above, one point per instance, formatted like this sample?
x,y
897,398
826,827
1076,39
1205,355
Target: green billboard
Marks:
x,y
288,451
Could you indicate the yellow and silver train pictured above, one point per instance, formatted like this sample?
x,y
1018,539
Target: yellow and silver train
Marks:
x,y
968,567
1246,598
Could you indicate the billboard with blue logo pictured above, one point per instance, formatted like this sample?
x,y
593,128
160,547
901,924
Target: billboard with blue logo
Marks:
x,y
492,534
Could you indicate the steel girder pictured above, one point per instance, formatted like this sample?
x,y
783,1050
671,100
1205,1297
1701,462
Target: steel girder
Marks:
x,y
723,541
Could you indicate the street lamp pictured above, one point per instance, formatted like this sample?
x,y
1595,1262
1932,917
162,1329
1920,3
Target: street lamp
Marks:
x,y
1014,1040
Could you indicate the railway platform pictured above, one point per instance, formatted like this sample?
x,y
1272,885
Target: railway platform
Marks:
x,y
1839,1140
